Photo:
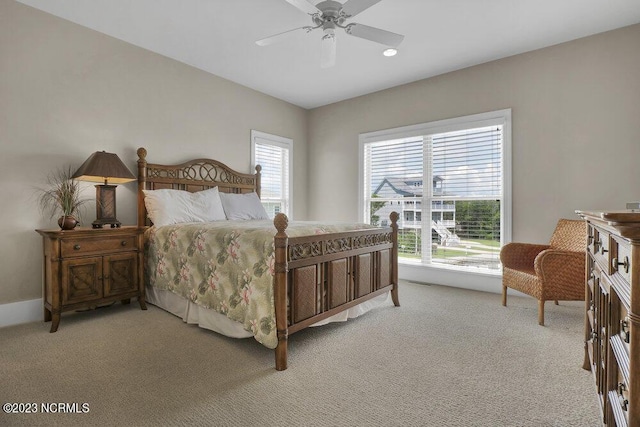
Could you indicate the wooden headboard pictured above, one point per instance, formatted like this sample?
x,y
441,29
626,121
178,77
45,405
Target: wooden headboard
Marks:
x,y
193,175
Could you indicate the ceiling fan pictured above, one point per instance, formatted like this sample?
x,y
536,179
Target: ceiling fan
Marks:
x,y
329,15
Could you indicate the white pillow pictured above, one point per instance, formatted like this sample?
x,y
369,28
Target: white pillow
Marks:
x,y
166,206
243,206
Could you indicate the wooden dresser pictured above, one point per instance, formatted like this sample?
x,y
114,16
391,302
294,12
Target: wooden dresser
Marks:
x,y
87,267
612,320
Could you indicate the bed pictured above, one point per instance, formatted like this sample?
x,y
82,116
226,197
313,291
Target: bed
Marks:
x,y
261,278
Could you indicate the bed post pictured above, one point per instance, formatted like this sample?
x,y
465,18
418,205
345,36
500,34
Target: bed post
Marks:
x,y
258,179
280,289
142,178
394,257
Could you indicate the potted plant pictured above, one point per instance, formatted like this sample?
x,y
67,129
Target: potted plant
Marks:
x,y
62,197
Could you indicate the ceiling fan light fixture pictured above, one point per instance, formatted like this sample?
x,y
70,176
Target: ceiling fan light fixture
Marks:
x,y
390,52
328,52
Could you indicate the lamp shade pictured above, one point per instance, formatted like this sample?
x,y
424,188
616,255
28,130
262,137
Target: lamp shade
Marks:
x,y
104,167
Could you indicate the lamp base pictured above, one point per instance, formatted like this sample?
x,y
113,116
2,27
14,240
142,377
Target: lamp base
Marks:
x,y
106,207
100,223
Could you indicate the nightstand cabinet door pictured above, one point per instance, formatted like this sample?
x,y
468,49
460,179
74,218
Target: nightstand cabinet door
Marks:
x,y
120,274
81,280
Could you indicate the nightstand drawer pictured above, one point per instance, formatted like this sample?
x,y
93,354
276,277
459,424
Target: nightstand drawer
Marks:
x,y
80,247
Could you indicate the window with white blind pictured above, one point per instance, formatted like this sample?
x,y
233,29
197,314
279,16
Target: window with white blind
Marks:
x,y
274,154
450,182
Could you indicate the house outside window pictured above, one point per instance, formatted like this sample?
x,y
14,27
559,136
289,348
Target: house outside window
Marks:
x,y
274,154
466,162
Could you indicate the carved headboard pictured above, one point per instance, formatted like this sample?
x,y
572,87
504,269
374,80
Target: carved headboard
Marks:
x,y
193,175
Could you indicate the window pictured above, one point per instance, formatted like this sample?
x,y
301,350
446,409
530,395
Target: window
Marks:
x,y
459,171
273,153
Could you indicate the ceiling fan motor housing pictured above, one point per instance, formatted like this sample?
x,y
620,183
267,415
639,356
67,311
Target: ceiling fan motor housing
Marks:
x,y
331,16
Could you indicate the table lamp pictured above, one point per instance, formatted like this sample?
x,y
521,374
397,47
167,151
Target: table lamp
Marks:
x,y
108,169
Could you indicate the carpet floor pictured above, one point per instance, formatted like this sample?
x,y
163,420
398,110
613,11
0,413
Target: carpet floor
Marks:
x,y
446,357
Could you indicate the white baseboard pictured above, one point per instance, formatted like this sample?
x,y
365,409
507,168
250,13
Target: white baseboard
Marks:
x,y
15,313
449,277
484,282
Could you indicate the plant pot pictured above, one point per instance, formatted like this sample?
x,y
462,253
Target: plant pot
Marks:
x,y
67,222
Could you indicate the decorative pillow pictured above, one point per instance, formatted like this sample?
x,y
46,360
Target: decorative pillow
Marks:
x,y
243,206
166,206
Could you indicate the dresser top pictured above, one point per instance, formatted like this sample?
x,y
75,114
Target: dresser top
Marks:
x,y
625,222
622,215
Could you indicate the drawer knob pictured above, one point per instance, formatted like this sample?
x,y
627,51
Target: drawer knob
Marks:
x,y
123,243
624,403
624,329
76,247
625,263
621,388
603,250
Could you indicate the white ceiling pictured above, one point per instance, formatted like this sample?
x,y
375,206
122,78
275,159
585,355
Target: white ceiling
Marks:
x,y
219,36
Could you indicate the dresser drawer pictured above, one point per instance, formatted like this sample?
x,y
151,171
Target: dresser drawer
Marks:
x,y
112,244
621,259
625,328
601,248
619,400
592,237
620,332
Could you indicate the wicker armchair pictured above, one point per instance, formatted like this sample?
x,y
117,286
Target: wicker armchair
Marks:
x,y
548,272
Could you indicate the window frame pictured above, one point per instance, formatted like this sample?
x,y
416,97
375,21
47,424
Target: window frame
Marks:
x,y
499,117
263,138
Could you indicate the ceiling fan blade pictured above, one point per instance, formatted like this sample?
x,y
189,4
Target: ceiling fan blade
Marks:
x,y
374,34
277,37
353,7
304,6
328,58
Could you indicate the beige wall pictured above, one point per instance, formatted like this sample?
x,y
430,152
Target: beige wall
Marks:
x,y
576,129
66,91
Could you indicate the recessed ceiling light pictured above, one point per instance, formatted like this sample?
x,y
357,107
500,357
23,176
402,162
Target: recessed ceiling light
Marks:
x,y
390,52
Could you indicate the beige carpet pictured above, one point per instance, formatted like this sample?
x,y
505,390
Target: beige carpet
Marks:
x,y
447,357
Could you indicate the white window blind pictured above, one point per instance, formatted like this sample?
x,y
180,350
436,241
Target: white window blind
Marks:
x,y
468,167
273,154
448,188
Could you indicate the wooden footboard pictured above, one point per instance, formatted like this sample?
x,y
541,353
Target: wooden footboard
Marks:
x,y
322,275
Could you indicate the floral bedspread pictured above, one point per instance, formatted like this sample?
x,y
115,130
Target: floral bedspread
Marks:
x,y
227,266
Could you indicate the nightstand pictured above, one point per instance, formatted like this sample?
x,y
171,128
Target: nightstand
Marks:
x,y
86,268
